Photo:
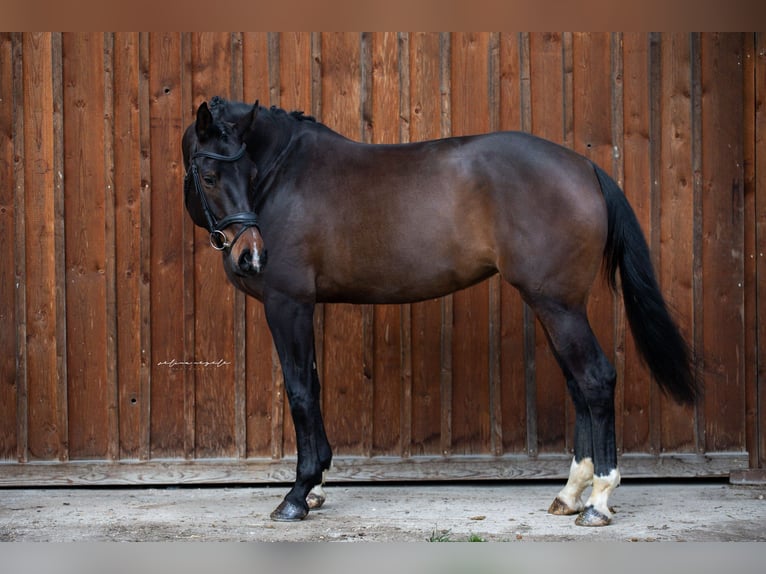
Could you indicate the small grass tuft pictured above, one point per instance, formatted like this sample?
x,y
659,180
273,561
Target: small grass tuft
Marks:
x,y
440,536
446,536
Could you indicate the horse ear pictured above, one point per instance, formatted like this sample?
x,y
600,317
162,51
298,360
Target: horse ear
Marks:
x,y
204,121
246,123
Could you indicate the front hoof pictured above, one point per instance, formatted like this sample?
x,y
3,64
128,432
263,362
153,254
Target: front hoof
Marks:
x,y
592,517
289,512
561,508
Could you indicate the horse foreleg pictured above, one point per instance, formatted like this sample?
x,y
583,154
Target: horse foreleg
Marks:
x,y
292,328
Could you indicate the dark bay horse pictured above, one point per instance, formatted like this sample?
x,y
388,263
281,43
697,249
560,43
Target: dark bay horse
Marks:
x,y
356,223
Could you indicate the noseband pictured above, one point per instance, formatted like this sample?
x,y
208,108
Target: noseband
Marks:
x,y
215,226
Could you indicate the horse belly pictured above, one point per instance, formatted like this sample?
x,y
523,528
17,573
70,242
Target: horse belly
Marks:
x,y
398,273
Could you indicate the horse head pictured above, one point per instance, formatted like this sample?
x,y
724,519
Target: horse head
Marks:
x,y
219,175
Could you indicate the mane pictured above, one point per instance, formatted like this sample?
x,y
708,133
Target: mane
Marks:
x,y
226,111
297,115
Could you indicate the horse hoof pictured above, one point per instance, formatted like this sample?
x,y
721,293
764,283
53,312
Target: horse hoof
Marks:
x,y
561,508
592,517
289,512
315,500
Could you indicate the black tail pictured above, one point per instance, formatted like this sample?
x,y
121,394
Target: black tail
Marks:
x,y
657,337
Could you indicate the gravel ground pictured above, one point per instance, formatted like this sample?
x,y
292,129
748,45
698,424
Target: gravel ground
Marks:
x,y
507,512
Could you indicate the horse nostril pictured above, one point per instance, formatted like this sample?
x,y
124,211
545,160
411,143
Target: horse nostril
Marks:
x,y
245,260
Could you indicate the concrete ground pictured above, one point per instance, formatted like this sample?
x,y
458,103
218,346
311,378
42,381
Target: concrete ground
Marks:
x,y
512,511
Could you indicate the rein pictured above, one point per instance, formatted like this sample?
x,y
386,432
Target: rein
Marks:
x,y
216,226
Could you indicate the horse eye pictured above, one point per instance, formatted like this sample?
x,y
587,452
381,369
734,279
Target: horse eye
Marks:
x,y
209,180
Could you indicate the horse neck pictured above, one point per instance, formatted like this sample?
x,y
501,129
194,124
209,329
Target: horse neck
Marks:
x,y
267,140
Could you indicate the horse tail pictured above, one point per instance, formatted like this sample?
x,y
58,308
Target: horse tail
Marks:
x,y
657,337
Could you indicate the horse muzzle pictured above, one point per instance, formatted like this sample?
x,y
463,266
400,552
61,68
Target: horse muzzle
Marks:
x,y
250,262
247,252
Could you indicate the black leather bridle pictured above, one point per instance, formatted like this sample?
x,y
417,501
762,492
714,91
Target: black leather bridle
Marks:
x,y
216,226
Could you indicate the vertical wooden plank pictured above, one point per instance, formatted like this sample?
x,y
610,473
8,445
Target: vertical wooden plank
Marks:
x,y
168,310
19,207
110,252
446,363
750,115
722,240
425,318
188,269
346,391
263,423
548,95
618,172
214,337
368,311
240,303
656,94
697,224
316,111
759,254
405,421
637,185
47,437
527,317
514,106
8,215
470,343
62,400
677,208
568,115
145,292
495,283
84,205
387,336
127,184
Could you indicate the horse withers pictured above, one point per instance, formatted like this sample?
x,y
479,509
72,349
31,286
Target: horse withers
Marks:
x,y
371,224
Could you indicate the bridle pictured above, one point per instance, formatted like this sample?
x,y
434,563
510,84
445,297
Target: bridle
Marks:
x,y
216,226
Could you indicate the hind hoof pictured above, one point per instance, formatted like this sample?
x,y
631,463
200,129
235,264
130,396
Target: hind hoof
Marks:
x,y
315,500
289,512
561,508
592,517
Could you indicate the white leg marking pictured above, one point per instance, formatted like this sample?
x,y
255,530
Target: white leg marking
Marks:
x,y
316,497
318,491
602,488
580,477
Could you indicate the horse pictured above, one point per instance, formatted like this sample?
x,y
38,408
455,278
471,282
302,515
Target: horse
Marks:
x,y
303,215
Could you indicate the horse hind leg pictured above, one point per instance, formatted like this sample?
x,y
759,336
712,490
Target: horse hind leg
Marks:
x,y
591,380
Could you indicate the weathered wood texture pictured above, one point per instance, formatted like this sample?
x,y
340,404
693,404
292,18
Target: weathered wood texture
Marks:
x,y
126,356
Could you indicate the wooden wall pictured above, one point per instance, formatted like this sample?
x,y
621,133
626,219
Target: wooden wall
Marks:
x,y
108,293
